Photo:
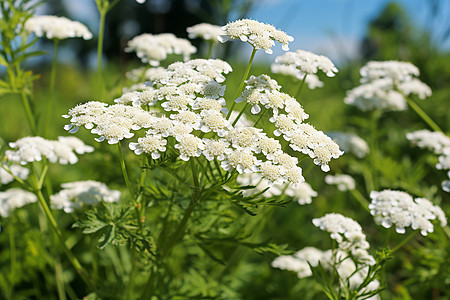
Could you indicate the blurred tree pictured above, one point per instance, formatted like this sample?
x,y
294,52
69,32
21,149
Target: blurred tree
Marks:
x,y
128,19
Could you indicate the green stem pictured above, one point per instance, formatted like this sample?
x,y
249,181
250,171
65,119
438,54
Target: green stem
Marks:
x,y
103,9
402,243
29,113
165,249
73,260
297,93
363,201
130,286
59,280
127,183
422,114
260,117
240,114
244,78
12,245
51,93
210,48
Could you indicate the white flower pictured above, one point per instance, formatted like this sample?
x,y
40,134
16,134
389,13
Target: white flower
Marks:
x,y
17,171
343,182
302,193
213,120
347,233
384,85
350,142
377,94
75,195
53,27
31,149
154,48
311,80
242,160
435,141
206,31
151,144
400,209
259,35
396,70
216,149
306,63
14,198
189,146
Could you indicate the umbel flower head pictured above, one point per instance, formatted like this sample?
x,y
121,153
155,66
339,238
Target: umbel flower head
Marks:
x,y
14,198
303,63
31,149
385,85
53,27
344,182
186,117
153,48
401,210
435,141
351,259
257,34
205,31
75,195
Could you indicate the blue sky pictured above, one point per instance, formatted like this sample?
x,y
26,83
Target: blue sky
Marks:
x,y
329,27
334,27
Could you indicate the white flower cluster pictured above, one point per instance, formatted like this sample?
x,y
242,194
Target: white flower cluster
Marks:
x,y
31,149
312,80
75,195
154,48
351,275
437,142
207,32
257,34
343,182
351,258
53,27
187,113
350,142
302,192
303,63
348,235
288,116
14,198
7,173
401,210
384,84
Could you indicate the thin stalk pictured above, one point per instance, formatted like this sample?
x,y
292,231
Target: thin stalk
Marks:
x,y
402,243
73,260
363,201
300,87
422,114
373,148
102,10
150,287
28,112
244,78
130,286
12,247
51,93
127,183
240,114
210,48
260,117
59,280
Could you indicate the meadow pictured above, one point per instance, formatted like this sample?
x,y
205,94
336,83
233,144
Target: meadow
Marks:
x,y
165,193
